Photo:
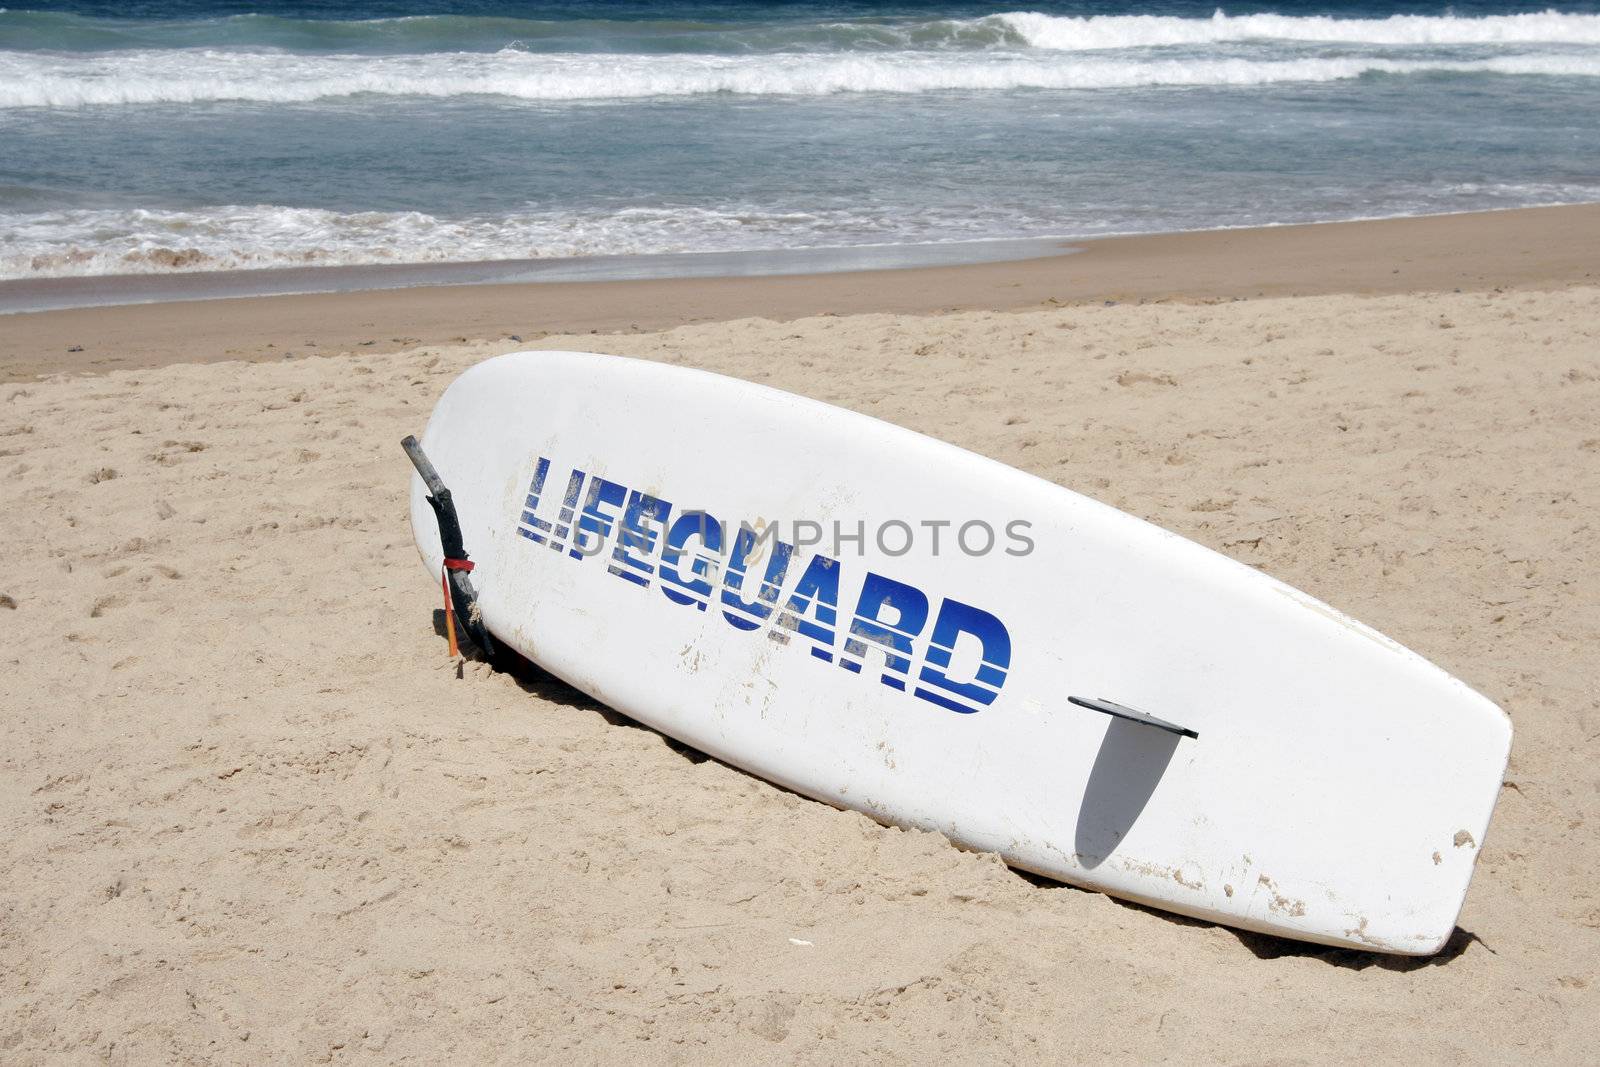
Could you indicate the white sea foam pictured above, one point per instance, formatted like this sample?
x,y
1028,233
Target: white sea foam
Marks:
x,y
141,241
1145,31
164,76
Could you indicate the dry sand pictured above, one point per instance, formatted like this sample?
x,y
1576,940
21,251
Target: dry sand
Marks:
x,y
250,812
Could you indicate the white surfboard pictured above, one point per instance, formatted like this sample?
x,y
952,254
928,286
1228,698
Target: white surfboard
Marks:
x,y
1095,699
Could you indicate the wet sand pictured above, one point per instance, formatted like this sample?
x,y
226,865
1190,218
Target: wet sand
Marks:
x,y
1537,247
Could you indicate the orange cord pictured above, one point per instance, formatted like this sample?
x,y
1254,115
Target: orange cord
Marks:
x,y
449,612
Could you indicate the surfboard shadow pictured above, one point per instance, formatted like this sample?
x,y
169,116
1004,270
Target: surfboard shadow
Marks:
x,y
1129,765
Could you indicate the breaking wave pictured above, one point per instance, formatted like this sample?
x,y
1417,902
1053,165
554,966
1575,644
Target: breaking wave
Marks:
x,y
1154,31
57,31
163,77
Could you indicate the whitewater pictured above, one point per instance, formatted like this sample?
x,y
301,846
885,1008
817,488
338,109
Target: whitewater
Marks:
x,y
202,76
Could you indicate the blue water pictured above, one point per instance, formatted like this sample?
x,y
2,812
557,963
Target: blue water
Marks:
x,y
159,137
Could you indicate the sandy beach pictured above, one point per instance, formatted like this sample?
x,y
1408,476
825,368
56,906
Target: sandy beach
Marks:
x,y
252,813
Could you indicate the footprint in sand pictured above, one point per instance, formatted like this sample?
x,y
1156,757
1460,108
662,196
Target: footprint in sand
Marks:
x,y
1130,377
105,604
173,451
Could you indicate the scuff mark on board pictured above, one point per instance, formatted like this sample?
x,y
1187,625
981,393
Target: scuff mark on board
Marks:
x,y
1280,903
1155,870
1358,932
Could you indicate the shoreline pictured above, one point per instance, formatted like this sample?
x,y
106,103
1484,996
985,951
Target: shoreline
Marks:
x,y
26,295
1544,247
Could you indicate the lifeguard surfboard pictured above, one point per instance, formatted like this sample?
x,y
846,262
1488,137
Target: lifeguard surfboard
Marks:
x,y
886,622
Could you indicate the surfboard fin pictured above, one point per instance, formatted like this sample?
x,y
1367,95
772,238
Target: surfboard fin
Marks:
x,y
456,561
1122,711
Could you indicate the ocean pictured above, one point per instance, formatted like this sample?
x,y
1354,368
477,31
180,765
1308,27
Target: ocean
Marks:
x,y
195,135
